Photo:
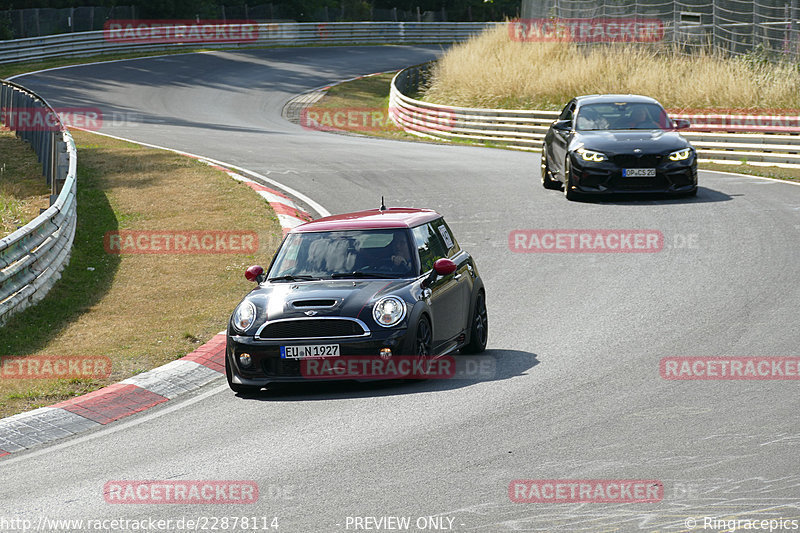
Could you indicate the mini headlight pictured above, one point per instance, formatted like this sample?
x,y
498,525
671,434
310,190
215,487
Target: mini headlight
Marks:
x,y
589,155
389,311
680,155
244,316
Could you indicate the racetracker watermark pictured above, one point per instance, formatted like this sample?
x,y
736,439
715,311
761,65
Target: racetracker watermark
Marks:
x,y
586,241
586,491
730,368
368,119
42,119
371,367
180,242
587,30
739,120
181,492
466,367
55,367
180,31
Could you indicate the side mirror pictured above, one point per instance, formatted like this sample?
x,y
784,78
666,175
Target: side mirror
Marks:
x,y
562,125
255,274
442,267
681,123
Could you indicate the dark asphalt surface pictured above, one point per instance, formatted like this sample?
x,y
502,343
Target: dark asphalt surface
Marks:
x,y
576,338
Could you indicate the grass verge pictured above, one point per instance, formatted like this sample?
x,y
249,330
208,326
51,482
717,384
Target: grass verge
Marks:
x,y
139,310
358,106
23,190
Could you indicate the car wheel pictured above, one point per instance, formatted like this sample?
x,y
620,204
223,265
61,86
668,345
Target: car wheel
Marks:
x,y
547,181
423,343
236,387
569,193
479,334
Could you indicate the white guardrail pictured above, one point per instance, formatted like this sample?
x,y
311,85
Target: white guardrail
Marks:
x,y
718,138
267,34
32,257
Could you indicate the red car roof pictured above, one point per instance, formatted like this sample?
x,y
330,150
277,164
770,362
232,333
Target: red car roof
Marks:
x,y
393,218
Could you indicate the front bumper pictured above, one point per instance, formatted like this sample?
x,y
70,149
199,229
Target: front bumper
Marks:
x,y
605,177
268,367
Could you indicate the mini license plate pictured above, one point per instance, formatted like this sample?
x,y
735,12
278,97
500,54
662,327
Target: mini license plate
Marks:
x,y
311,351
638,173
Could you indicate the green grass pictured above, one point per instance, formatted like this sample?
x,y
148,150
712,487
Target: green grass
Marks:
x,y
23,189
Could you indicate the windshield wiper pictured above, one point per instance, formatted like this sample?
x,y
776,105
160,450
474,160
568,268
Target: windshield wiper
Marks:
x,y
293,278
340,275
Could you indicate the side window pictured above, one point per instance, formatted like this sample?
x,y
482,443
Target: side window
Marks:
x,y
566,114
447,237
429,246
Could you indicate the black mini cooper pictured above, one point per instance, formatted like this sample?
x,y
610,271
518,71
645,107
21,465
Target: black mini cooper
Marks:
x,y
384,284
612,143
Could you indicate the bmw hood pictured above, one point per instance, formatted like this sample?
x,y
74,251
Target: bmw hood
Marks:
x,y
350,298
626,141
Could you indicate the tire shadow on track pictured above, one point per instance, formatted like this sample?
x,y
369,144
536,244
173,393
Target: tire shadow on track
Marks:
x,y
492,365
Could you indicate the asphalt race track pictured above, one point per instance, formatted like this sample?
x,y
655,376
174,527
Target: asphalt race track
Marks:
x,y
576,338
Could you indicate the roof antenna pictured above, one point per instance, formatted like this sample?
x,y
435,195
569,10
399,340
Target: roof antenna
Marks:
x,y
383,205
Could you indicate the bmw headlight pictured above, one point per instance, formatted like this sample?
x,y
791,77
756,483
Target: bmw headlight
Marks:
x,y
590,155
680,155
389,311
244,316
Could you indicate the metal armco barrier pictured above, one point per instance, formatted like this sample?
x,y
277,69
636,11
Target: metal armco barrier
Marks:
x,y
271,34
32,258
718,138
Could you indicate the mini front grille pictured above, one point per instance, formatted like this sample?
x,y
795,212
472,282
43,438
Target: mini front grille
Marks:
x,y
312,328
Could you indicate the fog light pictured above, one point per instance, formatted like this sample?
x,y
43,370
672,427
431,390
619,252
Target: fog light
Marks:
x,y
386,353
245,359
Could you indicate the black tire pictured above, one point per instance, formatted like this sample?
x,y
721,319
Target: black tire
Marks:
x,y
479,333
248,390
423,342
547,181
569,192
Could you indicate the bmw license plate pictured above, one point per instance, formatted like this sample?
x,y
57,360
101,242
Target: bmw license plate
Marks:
x,y
638,173
311,351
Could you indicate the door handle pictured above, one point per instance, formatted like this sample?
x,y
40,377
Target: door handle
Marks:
x,y
457,277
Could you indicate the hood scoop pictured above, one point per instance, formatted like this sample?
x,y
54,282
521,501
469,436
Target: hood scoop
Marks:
x,y
318,303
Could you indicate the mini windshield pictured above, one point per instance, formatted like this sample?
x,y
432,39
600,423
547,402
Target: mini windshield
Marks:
x,y
622,116
344,254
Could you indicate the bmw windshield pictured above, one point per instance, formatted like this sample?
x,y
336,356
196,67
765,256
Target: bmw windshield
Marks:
x,y
622,116
344,254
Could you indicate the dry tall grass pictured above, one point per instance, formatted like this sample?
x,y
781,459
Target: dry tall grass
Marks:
x,y
492,70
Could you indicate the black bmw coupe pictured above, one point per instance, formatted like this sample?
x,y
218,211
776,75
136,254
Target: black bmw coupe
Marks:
x,y
380,286
604,144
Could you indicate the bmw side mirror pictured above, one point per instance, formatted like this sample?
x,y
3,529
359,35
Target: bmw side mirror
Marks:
x,y
562,125
255,274
681,123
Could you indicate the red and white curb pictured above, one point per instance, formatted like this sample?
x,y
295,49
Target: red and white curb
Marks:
x,y
162,384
